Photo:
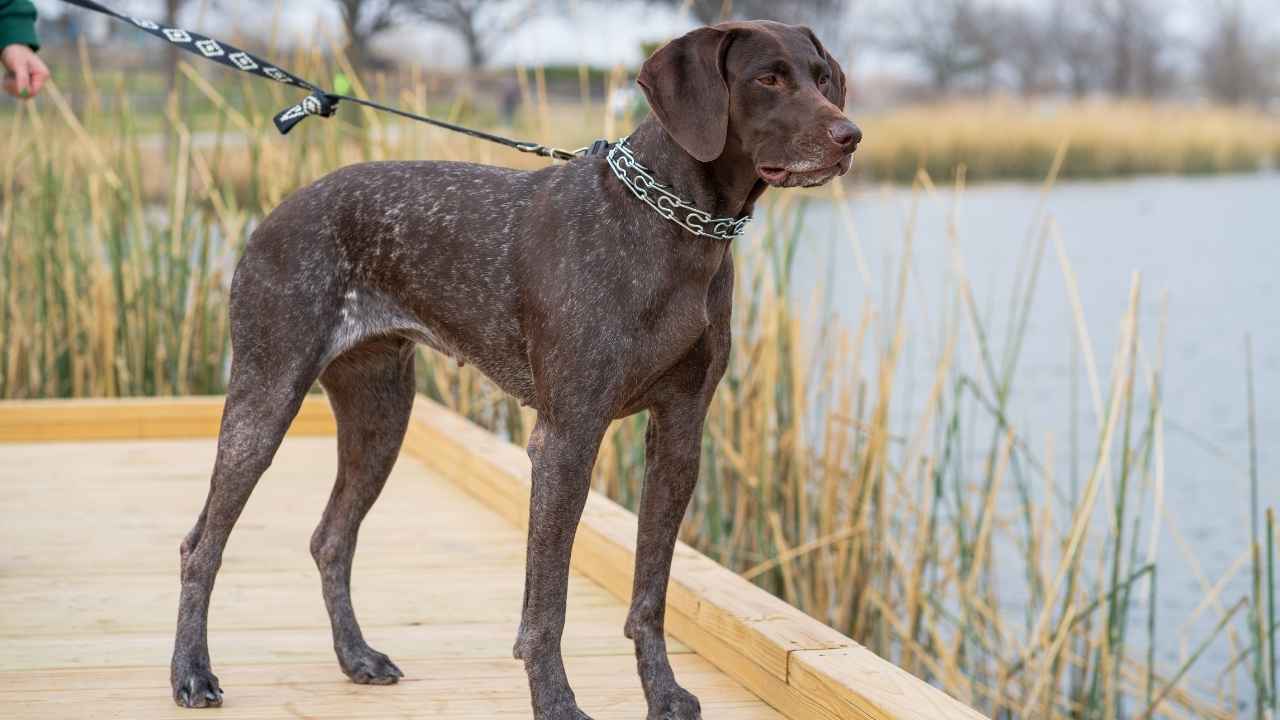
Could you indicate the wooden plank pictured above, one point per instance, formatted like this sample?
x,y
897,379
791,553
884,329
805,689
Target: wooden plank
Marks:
x,y
263,600
801,667
88,590
748,633
724,655
455,688
133,502
135,418
585,636
854,682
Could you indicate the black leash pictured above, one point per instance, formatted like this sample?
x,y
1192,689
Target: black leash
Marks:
x,y
319,102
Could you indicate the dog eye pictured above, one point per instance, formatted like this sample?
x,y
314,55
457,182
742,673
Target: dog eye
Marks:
x,y
768,80
822,81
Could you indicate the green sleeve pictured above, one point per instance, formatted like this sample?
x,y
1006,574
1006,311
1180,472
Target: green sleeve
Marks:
x,y
18,23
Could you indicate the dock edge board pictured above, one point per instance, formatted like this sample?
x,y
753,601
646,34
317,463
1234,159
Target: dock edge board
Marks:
x,y
803,668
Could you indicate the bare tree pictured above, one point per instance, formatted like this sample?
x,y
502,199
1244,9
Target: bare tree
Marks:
x,y
1234,61
365,19
980,30
827,17
710,12
1133,38
951,40
476,22
1076,41
1027,46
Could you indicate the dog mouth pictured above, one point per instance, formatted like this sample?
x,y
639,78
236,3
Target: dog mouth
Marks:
x,y
801,175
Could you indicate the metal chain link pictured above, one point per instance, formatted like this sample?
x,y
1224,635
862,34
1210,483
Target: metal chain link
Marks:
x,y
669,205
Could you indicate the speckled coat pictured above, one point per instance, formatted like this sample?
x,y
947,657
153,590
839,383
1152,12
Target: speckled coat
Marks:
x,y
561,286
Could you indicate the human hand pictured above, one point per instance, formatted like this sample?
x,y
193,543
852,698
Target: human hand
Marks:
x,y
25,73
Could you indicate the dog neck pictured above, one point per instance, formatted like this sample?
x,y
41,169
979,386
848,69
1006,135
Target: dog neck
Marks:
x,y
725,187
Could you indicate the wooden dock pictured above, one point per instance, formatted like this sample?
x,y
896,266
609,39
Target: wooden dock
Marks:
x,y
96,495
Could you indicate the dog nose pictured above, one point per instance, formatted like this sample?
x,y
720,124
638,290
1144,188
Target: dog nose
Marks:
x,y
845,134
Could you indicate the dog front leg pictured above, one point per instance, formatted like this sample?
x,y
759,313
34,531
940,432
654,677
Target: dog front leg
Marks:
x,y
672,443
563,454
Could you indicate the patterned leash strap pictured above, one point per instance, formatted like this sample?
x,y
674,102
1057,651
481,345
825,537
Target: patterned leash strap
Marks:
x,y
319,102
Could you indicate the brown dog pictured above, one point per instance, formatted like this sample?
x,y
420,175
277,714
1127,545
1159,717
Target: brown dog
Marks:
x,y
562,286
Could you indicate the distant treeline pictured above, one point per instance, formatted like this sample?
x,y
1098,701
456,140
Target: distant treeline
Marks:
x,y
1123,48
1227,51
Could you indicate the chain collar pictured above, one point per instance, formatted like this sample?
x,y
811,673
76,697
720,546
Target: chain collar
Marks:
x,y
663,199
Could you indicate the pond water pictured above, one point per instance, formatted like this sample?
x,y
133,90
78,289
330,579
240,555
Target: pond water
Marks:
x,y
1208,251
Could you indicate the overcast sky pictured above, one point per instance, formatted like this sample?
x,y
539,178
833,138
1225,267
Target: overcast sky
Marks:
x,y
596,33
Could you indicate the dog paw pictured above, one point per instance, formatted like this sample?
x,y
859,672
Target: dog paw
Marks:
x,y
676,704
197,689
366,666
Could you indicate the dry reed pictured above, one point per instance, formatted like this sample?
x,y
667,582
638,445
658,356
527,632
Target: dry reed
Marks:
x,y
908,525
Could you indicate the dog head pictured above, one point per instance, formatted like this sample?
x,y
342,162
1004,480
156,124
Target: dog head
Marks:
x,y
764,89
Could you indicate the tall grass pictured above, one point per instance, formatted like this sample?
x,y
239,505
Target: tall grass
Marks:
x,y
935,530
1013,139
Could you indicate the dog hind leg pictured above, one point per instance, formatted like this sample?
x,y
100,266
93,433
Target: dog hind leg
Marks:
x,y
371,390
280,330
262,399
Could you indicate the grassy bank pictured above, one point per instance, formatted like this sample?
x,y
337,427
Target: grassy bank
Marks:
x,y
930,529
998,140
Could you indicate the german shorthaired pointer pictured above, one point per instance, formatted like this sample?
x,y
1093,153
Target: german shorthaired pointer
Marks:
x,y
589,290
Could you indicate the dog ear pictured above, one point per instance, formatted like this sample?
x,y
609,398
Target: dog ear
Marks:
x,y
685,84
836,88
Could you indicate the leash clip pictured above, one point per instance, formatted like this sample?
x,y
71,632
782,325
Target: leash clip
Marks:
x,y
317,103
543,151
599,148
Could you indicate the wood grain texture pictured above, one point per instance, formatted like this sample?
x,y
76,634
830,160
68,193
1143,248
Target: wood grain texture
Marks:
x,y
135,418
86,589
749,634
459,689
88,594
853,682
